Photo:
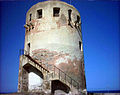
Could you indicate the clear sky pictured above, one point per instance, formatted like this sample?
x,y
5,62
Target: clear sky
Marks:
x,y
101,42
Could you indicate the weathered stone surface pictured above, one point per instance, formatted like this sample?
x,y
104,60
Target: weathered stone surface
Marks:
x,y
53,41
23,77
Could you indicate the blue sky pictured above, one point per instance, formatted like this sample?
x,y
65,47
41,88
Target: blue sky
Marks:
x,y
101,42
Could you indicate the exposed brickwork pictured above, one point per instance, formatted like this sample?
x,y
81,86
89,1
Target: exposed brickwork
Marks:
x,y
46,56
50,57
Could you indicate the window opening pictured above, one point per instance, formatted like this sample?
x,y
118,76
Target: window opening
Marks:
x,y
56,11
39,13
77,21
69,14
78,18
30,17
69,17
80,45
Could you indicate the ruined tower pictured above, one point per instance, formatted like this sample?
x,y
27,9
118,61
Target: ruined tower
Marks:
x,y
52,58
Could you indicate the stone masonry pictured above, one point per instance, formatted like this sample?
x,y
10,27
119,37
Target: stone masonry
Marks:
x,y
53,38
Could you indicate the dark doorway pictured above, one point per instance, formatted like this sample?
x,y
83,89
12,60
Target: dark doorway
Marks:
x,y
58,85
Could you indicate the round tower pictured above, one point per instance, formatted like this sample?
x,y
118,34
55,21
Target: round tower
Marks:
x,y
53,38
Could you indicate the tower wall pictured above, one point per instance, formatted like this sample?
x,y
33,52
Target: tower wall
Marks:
x,y
56,39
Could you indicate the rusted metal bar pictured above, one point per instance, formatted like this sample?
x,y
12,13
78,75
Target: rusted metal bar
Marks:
x,y
67,76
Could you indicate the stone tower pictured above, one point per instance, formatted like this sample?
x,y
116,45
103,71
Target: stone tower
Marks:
x,y
52,58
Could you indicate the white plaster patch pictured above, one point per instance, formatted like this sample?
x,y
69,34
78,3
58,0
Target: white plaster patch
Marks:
x,y
62,60
74,64
35,81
